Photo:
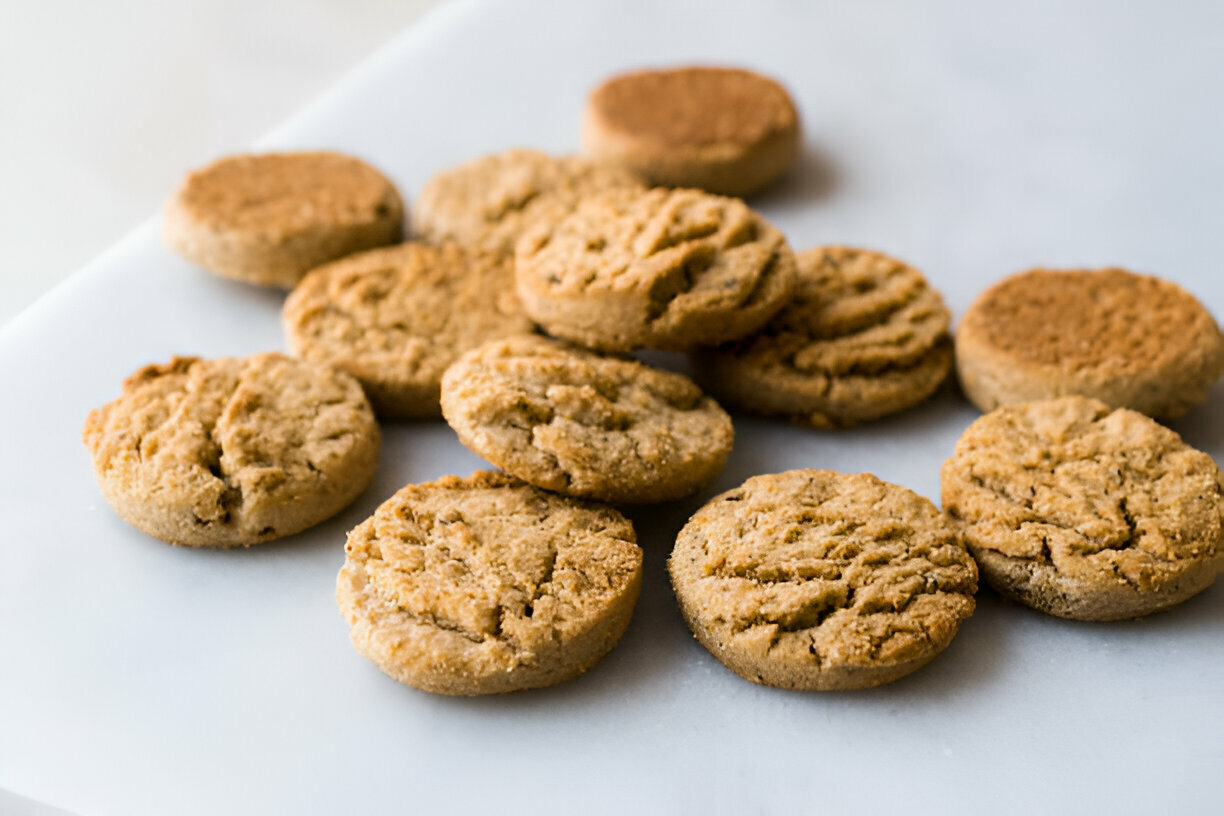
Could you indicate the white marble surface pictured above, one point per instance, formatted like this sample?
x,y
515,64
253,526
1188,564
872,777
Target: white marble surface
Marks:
x,y
105,105
973,141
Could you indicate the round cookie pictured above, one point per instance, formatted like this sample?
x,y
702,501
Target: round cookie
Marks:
x,y
863,336
490,201
725,130
232,452
486,585
1129,340
1085,512
660,268
822,581
267,219
577,423
395,318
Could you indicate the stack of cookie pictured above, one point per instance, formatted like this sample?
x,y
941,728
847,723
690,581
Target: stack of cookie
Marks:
x,y
511,315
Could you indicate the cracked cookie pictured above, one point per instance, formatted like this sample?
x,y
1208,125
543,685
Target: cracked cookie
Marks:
x,y
822,581
267,219
1086,512
395,318
863,336
232,452
668,269
486,585
575,422
1132,341
490,201
725,130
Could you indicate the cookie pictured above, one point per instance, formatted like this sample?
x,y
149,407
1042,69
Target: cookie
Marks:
x,y
822,581
486,585
725,130
668,269
574,422
267,219
1086,512
395,318
863,336
232,452
490,201
1129,340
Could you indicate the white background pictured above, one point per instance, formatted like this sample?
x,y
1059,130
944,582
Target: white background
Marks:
x,y
970,139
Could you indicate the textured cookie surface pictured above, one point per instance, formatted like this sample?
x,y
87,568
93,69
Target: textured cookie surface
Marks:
x,y
229,452
1129,340
486,585
818,580
395,318
725,130
578,423
863,336
660,268
1086,512
490,201
267,219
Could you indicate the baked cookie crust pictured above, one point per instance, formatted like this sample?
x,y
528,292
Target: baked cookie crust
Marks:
x,y
396,318
233,452
578,423
725,130
668,269
487,585
1131,341
863,336
1086,512
822,581
269,218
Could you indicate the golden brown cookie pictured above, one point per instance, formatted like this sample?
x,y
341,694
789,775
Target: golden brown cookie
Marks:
x,y
581,424
1130,340
822,581
1086,512
863,336
395,318
233,452
725,130
268,218
486,585
658,268
490,201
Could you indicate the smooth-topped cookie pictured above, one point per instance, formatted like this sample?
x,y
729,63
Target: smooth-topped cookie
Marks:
x,y
1129,340
395,318
725,130
863,336
658,268
232,452
581,424
822,581
486,585
1086,512
490,201
268,218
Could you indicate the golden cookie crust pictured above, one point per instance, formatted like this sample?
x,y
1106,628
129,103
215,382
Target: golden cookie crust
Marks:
x,y
862,337
725,130
487,585
577,423
1132,341
490,201
660,268
1086,512
232,452
822,581
396,318
269,218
